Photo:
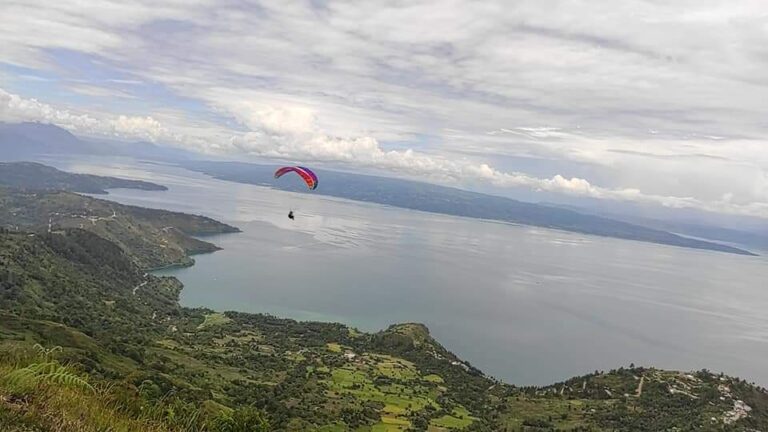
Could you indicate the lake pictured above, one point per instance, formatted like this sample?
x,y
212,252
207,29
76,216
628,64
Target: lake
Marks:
x,y
525,304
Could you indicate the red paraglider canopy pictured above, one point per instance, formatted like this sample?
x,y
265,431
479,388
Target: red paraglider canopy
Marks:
x,y
306,174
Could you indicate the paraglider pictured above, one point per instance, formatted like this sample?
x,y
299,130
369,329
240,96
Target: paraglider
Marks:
x,y
306,174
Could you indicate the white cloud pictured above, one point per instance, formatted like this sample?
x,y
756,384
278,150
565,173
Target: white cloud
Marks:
x,y
299,138
293,133
14,108
634,90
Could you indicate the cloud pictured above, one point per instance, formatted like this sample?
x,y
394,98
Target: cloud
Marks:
x,y
14,108
288,134
293,133
99,91
657,102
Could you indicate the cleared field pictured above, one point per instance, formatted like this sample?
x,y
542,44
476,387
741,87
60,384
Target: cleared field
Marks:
x,y
214,319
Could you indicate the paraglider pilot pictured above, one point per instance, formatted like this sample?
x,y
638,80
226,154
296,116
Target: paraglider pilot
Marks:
x,y
306,174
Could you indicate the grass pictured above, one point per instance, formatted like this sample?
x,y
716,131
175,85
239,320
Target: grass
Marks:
x,y
333,347
199,372
243,336
459,419
397,368
336,427
563,414
75,344
433,378
70,410
346,378
38,393
213,319
45,404
407,391
418,332
390,425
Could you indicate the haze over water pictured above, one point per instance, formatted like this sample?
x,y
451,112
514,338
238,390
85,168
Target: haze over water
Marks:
x,y
528,305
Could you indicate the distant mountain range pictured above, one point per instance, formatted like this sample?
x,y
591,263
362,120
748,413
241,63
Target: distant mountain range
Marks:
x,y
24,141
753,237
451,201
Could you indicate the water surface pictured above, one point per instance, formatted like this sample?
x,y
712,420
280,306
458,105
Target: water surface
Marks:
x,y
529,305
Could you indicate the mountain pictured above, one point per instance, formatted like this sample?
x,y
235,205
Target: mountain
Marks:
x,y
90,342
438,199
755,239
751,233
154,238
35,176
20,140
78,278
25,141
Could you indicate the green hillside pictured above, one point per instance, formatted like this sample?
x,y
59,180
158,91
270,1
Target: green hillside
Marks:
x,y
89,342
152,238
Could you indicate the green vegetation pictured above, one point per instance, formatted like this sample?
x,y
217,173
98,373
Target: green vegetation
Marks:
x,y
51,396
460,418
213,319
90,342
152,238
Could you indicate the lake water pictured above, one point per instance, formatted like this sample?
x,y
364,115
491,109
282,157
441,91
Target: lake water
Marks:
x,y
528,305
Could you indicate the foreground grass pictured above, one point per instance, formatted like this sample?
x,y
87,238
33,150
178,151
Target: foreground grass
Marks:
x,y
38,393
42,405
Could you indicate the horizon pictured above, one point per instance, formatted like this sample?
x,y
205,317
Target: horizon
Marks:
x,y
626,107
628,212
633,213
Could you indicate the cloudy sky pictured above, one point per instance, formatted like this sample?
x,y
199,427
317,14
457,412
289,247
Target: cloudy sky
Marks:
x,y
657,103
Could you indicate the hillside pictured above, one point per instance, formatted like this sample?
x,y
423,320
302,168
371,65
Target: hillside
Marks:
x,y
745,232
115,349
153,238
22,140
121,325
35,176
438,199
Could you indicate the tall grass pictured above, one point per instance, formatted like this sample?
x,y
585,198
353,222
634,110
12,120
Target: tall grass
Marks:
x,y
38,393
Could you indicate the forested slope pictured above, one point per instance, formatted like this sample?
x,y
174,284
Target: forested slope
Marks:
x,y
88,340
152,238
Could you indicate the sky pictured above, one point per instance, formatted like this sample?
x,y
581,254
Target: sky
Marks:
x,y
643,102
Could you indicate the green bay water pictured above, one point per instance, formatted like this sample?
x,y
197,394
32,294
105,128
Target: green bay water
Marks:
x,y
528,305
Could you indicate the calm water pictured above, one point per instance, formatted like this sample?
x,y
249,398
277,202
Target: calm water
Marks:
x,y
529,305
